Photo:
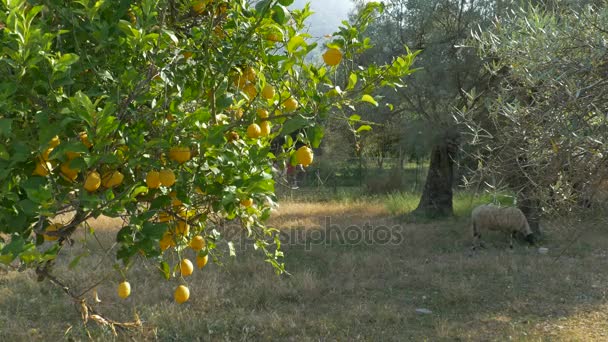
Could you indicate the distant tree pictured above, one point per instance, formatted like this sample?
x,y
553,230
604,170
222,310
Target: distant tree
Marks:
x,y
438,29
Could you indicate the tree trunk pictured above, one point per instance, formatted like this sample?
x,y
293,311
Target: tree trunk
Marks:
x,y
531,209
528,200
436,200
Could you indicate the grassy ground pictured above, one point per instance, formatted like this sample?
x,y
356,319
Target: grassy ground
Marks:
x,y
341,287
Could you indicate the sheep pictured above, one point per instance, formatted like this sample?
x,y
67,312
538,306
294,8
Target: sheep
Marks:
x,y
510,220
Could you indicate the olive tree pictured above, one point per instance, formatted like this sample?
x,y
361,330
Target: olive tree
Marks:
x,y
542,128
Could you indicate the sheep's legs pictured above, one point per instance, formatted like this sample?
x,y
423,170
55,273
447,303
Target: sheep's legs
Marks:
x,y
477,241
476,237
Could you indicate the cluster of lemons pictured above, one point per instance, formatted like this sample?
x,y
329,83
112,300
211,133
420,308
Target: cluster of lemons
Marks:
x,y
46,164
182,293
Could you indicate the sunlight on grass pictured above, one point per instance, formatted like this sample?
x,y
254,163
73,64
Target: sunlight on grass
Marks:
x,y
401,203
406,202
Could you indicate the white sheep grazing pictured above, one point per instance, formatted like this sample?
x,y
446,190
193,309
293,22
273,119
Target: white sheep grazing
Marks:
x,y
510,220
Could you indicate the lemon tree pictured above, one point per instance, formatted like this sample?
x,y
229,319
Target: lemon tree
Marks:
x,y
162,113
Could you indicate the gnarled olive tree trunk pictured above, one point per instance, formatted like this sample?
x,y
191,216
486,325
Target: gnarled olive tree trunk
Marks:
x,y
531,209
436,200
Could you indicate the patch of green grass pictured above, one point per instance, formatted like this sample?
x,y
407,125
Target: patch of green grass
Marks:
x,y
401,203
464,201
404,203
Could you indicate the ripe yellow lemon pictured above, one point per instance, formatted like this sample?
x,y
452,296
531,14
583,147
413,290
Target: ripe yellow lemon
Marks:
x,y
164,217
92,182
124,289
254,131
43,168
237,113
153,180
166,177
199,6
219,32
182,228
181,294
262,113
265,128
247,202
180,154
291,104
186,214
84,137
54,142
250,74
240,81
232,136
52,228
268,92
166,241
304,156
132,17
201,261
112,179
197,243
67,172
274,37
186,267
72,155
176,202
250,91
46,153
332,57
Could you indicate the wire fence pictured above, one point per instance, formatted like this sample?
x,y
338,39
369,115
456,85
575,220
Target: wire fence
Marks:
x,y
365,175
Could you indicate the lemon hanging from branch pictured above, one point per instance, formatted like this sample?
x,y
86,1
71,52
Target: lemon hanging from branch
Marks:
x,y
332,57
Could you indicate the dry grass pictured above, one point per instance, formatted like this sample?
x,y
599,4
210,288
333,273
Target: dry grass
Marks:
x,y
339,290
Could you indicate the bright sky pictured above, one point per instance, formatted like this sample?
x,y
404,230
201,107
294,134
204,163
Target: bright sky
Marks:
x,y
328,14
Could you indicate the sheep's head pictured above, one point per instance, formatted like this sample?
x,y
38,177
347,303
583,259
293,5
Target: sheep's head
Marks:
x,y
530,238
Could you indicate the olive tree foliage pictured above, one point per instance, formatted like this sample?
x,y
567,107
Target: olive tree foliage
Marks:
x,y
97,97
438,29
543,129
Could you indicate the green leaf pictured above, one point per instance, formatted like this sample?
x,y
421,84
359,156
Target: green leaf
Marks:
x,y
154,231
171,36
262,6
294,43
76,260
37,190
280,14
5,127
138,191
4,153
369,99
224,101
315,135
16,247
29,207
286,2
294,124
364,128
354,118
125,235
83,107
165,270
65,61
352,81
